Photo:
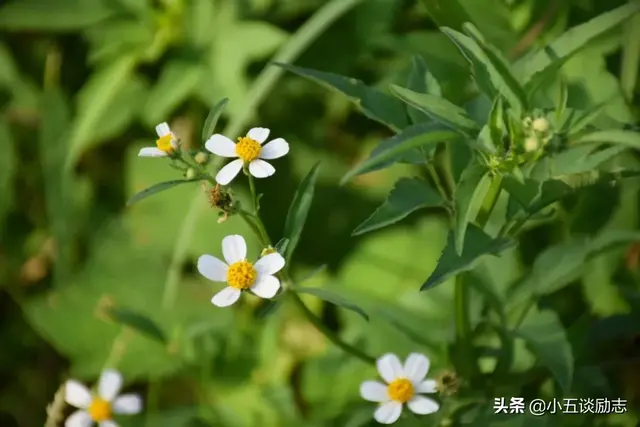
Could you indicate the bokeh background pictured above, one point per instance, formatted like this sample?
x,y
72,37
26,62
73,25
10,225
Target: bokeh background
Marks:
x,y
82,85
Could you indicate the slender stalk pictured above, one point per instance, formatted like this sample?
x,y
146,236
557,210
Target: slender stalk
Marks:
x,y
328,332
254,196
433,173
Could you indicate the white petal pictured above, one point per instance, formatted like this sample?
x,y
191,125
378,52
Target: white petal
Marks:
x,y
226,297
234,248
416,367
426,386
259,135
422,405
127,404
274,149
261,169
109,384
270,264
212,268
227,173
163,129
220,145
107,423
151,152
266,286
79,419
76,394
389,367
388,413
374,391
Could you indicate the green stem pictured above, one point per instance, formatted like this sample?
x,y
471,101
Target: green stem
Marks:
x,y
433,173
254,196
328,332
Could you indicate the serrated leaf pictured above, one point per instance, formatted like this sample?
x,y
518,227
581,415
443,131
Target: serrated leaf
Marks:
x,y
333,298
477,245
540,79
212,119
298,210
468,195
544,334
177,81
138,322
162,186
573,40
485,61
438,109
422,135
407,196
374,104
59,15
580,120
624,138
420,80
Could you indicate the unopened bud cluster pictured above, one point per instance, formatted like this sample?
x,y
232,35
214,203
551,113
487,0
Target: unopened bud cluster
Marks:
x,y
537,133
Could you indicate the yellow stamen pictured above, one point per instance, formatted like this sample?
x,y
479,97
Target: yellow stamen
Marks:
x,y
100,410
248,149
400,390
164,143
241,275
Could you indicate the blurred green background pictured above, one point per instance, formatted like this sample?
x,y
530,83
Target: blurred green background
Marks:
x,y
82,85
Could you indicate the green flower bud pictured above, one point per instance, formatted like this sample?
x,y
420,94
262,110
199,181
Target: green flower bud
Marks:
x,y
191,173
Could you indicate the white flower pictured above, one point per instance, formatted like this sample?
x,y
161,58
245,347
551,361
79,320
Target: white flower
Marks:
x,y
404,383
99,408
165,144
239,273
248,150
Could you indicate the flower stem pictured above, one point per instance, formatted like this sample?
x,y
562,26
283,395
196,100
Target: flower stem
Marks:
x,y
315,321
254,196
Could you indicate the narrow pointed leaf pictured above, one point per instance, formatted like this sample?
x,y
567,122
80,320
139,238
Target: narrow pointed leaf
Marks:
x,y
212,119
420,80
438,109
333,298
162,186
422,135
468,195
624,138
477,245
138,322
374,104
407,196
579,120
299,210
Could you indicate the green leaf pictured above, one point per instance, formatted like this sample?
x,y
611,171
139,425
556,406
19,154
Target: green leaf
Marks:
x,y
422,135
573,40
574,160
162,186
497,126
281,246
477,244
624,138
545,336
448,13
422,81
212,119
580,120
178,80
407,196
468,196
7,169
438,109
94,100
374,104
59,15
137,321
333,298
485,60
112,39
123,110
299,209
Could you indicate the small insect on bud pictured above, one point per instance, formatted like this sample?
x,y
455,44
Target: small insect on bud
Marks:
x,y
201,158
531,144
190,174
540,125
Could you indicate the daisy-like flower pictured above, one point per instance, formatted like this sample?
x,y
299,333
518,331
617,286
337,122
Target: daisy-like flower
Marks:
x,y
248,150
166,144
403,385
239,273
99,408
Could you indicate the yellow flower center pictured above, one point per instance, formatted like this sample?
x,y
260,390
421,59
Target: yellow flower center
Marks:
x,y
241,275
100,410
164,143
400,390
248,149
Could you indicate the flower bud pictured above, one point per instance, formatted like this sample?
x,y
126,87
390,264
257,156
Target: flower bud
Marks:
x,y
191,173
201,158
531,144
540,125
267,251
